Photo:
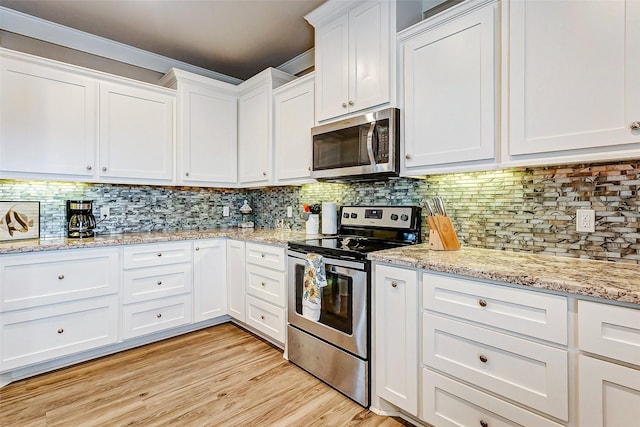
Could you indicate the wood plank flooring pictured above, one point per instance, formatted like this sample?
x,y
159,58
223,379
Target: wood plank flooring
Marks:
x,y
219,376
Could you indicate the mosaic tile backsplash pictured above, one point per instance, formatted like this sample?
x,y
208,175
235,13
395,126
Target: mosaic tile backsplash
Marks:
x,y
525,209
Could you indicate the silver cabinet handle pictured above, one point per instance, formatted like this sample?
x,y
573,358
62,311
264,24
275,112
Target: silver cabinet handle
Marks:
x,y
482,303
262,284
261,255
60,277
89,168
309,168
197,248
159,282
483,358
262,317
635,126
159,315
484,423
407,156
394,284
186,174
350,102
344,105
159,253
60,331
104,169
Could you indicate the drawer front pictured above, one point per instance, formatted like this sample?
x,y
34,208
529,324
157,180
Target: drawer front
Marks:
x,y
609,330
266,284
155,316
266,256
266,318
41,334
156,254
529,373
525,312
143,284
39,279
448,403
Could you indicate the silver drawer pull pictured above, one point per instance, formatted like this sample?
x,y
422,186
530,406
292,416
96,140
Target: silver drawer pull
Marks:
x,y
60,331
261,255
159,253
60,277
263,284
89,168
159,315
482,303
197,248
394,284
262,317
483,423
159,282
635,126
483,358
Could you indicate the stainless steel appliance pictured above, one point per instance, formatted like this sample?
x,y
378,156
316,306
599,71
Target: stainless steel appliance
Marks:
x,y
80,219
337,347
362,147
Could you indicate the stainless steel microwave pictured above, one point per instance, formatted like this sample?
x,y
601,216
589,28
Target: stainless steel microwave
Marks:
x,y
359,148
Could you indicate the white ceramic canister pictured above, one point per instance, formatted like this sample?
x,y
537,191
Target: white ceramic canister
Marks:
x,y
312,223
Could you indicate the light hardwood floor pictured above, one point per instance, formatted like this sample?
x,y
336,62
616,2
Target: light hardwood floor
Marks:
x,y
219,376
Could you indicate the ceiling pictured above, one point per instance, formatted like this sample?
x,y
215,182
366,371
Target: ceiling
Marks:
x,y
238,38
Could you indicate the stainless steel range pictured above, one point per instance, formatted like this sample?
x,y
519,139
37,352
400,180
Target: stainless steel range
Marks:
x,y
336,348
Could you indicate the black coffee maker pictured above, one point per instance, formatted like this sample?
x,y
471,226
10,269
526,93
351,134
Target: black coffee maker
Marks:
x,y
80,219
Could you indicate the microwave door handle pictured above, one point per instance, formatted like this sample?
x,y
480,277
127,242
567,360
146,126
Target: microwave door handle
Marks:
x,y
372,158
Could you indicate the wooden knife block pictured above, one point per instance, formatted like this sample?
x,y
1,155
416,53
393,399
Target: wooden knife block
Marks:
x,y
442,236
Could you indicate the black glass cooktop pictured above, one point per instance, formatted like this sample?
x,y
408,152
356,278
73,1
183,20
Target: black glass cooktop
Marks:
x,y
351,246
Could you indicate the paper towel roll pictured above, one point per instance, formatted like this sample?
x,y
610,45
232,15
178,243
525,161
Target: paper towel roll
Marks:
x,y
329,218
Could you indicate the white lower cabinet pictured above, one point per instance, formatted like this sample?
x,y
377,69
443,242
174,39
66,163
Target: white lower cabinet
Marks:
x,y
157,289
449,403
396,336
236,279
44,333
266,284
608,391
209,279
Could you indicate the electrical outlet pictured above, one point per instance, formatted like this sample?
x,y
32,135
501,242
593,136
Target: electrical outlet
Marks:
x,y
289,212
585,220
225,211
105,212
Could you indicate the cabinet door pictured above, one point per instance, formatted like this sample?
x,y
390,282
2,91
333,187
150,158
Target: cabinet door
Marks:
x,y
293,113
450,92
236,278
48,121
136,134
369,57
208,141
332,68
573,86
396,334
609,394
254,143
210,279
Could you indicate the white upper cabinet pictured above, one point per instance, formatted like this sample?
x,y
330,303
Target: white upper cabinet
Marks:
x,y
255,127
207,130
571,79
136,133
293,104
450,81
354,47
48,119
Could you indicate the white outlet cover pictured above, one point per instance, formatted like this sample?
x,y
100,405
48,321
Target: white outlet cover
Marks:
x,y
585,220
289,212
225,211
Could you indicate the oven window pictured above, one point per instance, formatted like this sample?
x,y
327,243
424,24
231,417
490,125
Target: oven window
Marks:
x,y
337,300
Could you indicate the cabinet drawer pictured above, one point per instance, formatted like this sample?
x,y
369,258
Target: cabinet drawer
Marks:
x,y
448,403
266,284
39,279
157,315
266,318
45,333
525,312
609,330
266,256
156,254
529,373
143,284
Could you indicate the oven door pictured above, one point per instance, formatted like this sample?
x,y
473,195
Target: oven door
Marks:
x,y
344,315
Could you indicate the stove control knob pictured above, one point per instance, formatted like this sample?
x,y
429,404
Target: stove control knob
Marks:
x,y
394,217
354,215
345,215
404,217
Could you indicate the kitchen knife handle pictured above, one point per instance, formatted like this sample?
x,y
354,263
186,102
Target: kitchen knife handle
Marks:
x,y
440,206
428,208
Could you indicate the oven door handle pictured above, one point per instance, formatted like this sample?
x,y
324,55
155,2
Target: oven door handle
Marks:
x,y
354,265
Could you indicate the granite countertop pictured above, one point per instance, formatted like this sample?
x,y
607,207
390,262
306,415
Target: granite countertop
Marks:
x,y
259,235
599,279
